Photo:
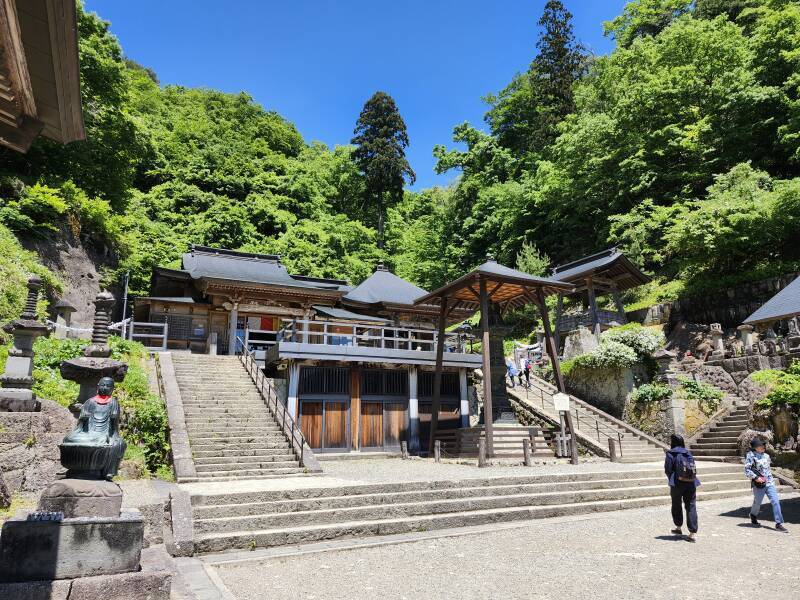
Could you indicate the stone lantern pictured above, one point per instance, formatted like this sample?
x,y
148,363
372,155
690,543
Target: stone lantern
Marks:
x,y
64,312
664,358
17,394
718,346
95,363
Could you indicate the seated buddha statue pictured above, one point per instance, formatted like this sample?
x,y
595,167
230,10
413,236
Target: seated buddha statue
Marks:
x,y
94,449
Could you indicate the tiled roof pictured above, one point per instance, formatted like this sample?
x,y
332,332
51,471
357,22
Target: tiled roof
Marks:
x,y
384,286
782,305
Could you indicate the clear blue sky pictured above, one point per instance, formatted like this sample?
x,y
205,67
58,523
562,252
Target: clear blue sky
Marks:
x,y
317,61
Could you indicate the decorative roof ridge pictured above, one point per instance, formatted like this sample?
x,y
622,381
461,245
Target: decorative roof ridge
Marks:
x,y
236,254
608,252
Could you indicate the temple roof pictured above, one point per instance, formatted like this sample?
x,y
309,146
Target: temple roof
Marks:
x,y
505,285
783,305
609,264
385,287
218,263
347,315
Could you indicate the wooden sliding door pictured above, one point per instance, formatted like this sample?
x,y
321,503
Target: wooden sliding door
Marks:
x,y
371,424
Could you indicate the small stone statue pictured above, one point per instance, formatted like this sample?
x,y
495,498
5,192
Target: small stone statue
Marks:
x,y
94,449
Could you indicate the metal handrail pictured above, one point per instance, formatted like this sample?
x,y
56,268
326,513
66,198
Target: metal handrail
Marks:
x,y
270,396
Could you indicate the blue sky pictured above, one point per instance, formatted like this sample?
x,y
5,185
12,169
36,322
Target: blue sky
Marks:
x,y
317,61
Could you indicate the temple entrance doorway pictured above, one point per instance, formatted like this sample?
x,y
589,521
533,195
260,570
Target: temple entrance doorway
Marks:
x,y
325,407
384,408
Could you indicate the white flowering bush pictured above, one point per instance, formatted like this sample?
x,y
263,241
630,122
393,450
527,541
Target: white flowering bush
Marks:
x,y
642,340
609,354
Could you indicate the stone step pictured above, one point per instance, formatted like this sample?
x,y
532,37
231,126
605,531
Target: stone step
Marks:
x,y
242,497
245,466
712,445
240,452
217,444
244,435
721,435
715,452
261,458
447,505
217,542
401,497
730,428
249,474
231,418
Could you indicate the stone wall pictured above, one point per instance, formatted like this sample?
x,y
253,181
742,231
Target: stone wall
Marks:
x,y
609,390
29,455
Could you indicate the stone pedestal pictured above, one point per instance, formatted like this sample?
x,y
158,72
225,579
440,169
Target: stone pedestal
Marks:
x,y
502,412
74,547
82,498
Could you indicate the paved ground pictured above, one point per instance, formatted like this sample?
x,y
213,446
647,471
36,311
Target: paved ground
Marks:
x,y
628,554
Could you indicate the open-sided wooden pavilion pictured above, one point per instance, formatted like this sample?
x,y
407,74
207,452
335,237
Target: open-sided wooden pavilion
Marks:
x,y
493,289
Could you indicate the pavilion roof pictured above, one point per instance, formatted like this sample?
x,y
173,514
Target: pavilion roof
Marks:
x,y
783,305
505,286
383,286
610,264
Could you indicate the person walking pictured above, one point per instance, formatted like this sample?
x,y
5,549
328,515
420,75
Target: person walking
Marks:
x,y
521,368
757,465
528,371
681,471
511,371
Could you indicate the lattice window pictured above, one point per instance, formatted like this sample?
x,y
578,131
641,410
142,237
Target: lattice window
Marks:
x,y
384,382
449,388
324,380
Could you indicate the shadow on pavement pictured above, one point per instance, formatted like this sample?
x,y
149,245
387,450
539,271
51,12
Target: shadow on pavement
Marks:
x,y
789,507
671,538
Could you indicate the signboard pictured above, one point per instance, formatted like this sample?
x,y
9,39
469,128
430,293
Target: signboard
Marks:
x,y
561,402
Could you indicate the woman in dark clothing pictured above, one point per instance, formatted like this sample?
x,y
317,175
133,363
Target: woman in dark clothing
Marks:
x,y
681,471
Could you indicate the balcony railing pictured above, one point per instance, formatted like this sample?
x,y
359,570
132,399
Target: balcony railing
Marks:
x,y
343,333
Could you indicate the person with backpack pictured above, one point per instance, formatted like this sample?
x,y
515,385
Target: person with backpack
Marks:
x,y
757,467
681,471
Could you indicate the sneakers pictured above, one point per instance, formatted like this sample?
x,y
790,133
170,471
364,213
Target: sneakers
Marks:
x,y
690,537
754,520
780,527
677,531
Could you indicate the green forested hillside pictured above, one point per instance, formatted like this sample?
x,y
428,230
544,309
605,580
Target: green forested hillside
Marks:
x,y
682,146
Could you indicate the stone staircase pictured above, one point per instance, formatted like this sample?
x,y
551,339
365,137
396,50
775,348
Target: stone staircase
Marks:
x,y
594,427
720,441
232,433
250,519
507,441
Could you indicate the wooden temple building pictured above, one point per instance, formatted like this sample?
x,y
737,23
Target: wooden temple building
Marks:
x,y
355,365
605,273
40,92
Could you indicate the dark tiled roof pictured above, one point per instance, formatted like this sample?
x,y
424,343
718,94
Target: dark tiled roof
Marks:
x,y
346,315
384,286
609,263
181,299
782,305
216,263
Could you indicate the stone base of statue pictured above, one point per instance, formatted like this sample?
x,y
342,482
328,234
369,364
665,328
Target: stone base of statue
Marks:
x,y
82,498
73,547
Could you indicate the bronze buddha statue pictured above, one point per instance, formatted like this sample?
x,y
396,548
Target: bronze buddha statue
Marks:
x,y
94,449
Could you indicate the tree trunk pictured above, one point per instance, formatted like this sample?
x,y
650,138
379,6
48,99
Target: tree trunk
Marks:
x,y
380,221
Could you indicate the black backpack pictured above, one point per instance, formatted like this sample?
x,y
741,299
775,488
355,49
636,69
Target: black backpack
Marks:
x,y
685,467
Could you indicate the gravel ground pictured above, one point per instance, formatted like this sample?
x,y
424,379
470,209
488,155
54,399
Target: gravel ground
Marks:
x,y
627,554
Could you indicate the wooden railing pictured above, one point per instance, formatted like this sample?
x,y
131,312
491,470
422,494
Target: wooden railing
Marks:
x,y
270,396
343,333
150,331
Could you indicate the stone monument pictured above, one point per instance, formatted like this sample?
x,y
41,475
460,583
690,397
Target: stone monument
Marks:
x,y
793,338
502,411
95,362
64,312
717,343
17,394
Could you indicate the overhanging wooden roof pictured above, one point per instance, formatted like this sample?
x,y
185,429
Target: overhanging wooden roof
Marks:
x,y
40,90
505,286
610,265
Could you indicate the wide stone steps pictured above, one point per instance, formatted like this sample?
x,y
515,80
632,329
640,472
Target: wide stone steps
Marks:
x,y
281,517
721,441
232,432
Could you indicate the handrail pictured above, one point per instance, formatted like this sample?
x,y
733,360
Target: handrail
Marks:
x,y
290,430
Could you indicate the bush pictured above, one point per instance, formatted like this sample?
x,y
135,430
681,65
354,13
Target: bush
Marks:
x,y
643,341
651,393
608,355
784,386
707,396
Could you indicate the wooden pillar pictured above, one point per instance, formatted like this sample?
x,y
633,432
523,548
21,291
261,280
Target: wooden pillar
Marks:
x,y
487,372
413,411
559,311
618,303
559,377
233,318
437,375
595,319
355,407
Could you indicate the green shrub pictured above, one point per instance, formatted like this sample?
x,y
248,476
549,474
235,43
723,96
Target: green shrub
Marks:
x,y
643,341
650,393
707,396
784,386
608,355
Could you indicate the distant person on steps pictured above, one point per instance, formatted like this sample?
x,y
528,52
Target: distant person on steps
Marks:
x,y
681,472
757,467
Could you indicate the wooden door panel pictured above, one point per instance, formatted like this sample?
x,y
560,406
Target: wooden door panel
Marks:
x,y
311,423
371,424
335,424
394,417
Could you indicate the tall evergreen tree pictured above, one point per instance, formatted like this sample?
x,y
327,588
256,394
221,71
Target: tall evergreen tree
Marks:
x,y
380,138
